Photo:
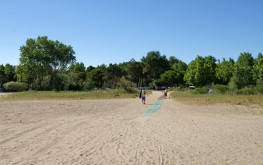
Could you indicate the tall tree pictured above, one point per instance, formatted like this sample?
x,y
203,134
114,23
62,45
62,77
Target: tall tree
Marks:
x,y
40,58
135,72
97,76
154,65
170,78
3,78
242,75
258,69
10,72
113,74
180,69
224,71
172,61
201,71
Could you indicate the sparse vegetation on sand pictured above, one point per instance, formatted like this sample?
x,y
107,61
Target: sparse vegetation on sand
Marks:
x,y
206,99
71,95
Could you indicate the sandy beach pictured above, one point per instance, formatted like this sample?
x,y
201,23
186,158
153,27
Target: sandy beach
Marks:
x,y
118,132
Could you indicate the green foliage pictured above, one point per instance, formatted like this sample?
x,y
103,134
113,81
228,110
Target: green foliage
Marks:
x,y
201,71
42,57
222,89
3,78
258,68
154,65
15,86
203,90
134,71
172,60
153,83
232,86
77,67
224,71
10,72
124,84
170,78
113,74
96,76
246,91
259,89
180,68
243,75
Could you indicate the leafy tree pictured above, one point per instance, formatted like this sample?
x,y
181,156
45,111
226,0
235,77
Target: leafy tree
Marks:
x,y
79,71
113,74
10,72
154,65
180,69
201,71
170,78
242,75
258,68
97,76
224,71
179,66
3,78
135,72
172,61
41,57
209,68
90,68
77,67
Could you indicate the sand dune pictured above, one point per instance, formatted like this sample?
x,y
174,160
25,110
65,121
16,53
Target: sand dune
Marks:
x,y
117,132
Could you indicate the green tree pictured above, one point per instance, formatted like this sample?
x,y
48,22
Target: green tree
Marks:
x,y
180,68
154,65
79,70
242,75
209,68
10,72
170,78
172,61
42,57
224,71
3,78
97,76
113,74
258,69
135,72
89,68
201,71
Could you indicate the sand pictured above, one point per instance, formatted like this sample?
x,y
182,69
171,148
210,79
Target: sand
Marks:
x,y
117,132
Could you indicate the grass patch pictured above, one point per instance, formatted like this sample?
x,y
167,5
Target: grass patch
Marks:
x,y
209,99
71,95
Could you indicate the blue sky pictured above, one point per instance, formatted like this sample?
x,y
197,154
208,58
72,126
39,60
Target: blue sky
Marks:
x,y
115,31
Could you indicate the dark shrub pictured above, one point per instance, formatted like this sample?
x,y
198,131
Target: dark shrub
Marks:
x,y
202,90
258,89
15,86
222,89
246,91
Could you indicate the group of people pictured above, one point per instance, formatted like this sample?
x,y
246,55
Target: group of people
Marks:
x,y
143,94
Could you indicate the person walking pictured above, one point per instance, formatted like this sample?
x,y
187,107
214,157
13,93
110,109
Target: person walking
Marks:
x,y
144,93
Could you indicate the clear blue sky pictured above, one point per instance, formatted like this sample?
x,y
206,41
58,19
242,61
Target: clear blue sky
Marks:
x,y
115,31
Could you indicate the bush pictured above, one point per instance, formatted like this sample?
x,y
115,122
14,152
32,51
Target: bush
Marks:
x,y
222,89
124,84
246,91
232,86
202,90
15,86
258,89
88,85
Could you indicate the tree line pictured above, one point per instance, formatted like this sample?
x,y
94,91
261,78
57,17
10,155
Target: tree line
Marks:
x,y
51,65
